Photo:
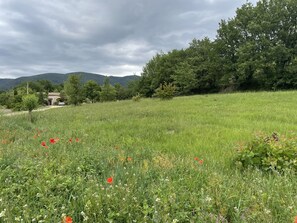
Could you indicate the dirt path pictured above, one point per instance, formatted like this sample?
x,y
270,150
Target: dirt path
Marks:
x,y
24,112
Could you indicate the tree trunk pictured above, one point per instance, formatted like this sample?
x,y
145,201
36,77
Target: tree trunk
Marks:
x,y
30,116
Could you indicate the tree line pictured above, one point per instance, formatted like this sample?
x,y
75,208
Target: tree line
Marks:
x,y
255,50
72,91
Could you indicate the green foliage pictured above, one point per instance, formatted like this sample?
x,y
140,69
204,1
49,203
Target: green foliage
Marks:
x,y
42,98
121,92
133,88
30,102
108,92
92,91
165,91
255,50
73,90
269,153
136,98
184,78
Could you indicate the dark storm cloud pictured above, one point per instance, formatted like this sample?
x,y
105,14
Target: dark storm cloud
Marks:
x,y
114,37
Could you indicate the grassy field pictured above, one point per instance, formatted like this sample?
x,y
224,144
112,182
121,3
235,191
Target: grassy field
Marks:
x,y
147,161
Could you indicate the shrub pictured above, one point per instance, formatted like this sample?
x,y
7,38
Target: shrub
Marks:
x,y
269,153
30,102
165,91
137,97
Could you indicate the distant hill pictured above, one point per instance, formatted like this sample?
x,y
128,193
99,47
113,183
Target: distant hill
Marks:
x,y
57,78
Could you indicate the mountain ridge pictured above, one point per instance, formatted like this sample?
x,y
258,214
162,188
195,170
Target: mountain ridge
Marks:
x,y
58,78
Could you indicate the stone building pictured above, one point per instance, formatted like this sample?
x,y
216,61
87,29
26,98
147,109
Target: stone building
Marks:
x,y
53,97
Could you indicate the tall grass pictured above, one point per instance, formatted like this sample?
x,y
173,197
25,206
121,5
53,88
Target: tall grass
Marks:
x,y
152,150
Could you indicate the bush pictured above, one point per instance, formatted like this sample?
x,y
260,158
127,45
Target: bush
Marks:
x,y
165,91
137,97
30,102
269,153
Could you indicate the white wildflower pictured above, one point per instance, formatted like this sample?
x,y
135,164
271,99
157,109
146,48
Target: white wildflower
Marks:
x,y
2,213
208,199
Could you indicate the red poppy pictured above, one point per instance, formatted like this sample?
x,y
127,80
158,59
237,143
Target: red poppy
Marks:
x,y
109,180
129,159
196,158
200,162
67,219
77,139
52,141
70,140
295,220
44,144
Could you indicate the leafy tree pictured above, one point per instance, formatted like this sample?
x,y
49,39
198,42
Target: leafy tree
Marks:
x,y
121,92
6,99
42,98
30,102
254,50
92,91
184,78
108,92
203,60
73,89
133,88
47,85
258,45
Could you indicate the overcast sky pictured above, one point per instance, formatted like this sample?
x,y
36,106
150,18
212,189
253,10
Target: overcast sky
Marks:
x,y
110,37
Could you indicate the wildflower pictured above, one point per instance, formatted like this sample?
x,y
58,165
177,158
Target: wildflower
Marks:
x,y
196,158
109,180
70,140
44,144
208,199
295,220
129,159
2,213
200,162
52,141
67,219
77,139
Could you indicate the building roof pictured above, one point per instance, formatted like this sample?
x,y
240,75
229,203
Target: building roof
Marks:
x,y
54,94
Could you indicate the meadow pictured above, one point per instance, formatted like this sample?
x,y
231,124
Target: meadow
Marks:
x,y
147,161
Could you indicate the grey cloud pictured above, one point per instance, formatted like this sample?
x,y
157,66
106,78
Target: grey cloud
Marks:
x,y
111,37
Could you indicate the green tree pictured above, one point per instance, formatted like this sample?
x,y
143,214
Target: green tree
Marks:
x,y
42,98
258,45
30,102
121,92
108,92
73,89
92,91
133,88
184,78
